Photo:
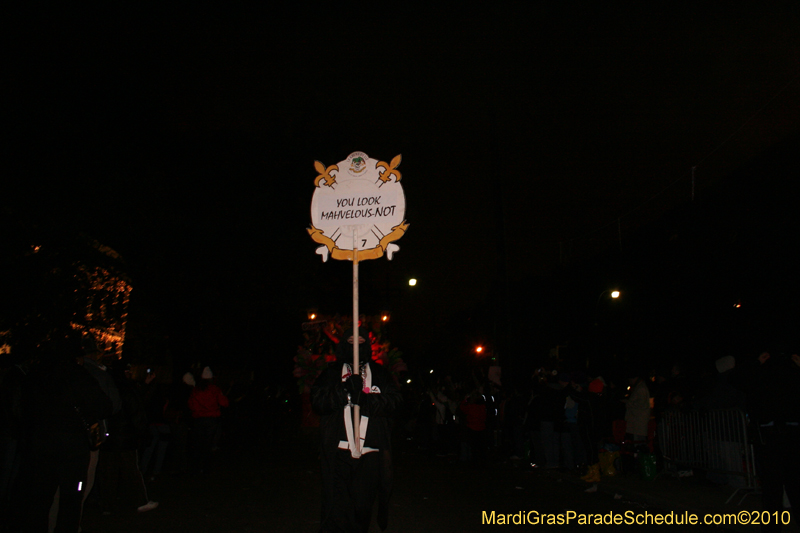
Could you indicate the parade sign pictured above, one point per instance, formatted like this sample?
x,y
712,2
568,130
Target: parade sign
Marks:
x,y
357,213
358,205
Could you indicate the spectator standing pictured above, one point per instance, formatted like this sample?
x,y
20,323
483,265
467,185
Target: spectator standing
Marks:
x,y
159,432
513,425
637,410
474,444
571,444
445,409
118,471
58,402
178,416
722,394
205,403
593,423
92,363
532,417
577,413
671,389
551,420
11,441
772,382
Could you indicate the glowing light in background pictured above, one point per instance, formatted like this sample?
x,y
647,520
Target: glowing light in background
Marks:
x,y
105,313
5,348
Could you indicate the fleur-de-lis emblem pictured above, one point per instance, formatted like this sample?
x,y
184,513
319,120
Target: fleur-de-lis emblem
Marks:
x,y
390,169
325,174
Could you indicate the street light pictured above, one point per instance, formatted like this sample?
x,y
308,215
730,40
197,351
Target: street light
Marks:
x,y
614,293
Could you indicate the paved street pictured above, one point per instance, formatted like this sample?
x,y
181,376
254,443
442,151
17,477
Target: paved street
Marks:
x,y
250,491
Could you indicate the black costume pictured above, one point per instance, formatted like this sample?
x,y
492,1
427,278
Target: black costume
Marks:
x,y
350,484
774,405
59,399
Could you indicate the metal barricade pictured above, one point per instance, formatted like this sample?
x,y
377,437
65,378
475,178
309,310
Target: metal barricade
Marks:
x,y
714,440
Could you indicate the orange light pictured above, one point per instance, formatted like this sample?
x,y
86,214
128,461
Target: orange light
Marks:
x,y
384,318
478,349
312,316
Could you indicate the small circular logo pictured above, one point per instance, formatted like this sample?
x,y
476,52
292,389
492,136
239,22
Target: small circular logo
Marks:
x,y
357,163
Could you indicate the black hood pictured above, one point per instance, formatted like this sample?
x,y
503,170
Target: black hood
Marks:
x,y
344,350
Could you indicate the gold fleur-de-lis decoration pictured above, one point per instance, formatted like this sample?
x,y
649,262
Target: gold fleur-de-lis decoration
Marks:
x,y
324,174
390,169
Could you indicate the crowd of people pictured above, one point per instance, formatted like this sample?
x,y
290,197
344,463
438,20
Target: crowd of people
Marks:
x,y
565,419
78,429
554,423
560,418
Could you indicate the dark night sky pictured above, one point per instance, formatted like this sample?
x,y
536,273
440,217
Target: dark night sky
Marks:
x,y
185,140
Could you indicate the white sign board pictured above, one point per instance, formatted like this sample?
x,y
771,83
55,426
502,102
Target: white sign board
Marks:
x,y
356,202
361,195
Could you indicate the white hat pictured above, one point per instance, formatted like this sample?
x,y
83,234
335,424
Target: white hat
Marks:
x,y
188,378
725,363
207,373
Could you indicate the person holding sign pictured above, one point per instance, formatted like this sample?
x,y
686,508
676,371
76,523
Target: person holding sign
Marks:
x,y
356,465
357,214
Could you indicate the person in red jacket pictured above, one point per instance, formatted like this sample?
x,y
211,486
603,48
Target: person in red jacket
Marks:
x,y
474,444
205,404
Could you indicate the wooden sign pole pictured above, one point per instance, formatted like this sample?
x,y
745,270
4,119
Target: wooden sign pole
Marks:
x,y
356,367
